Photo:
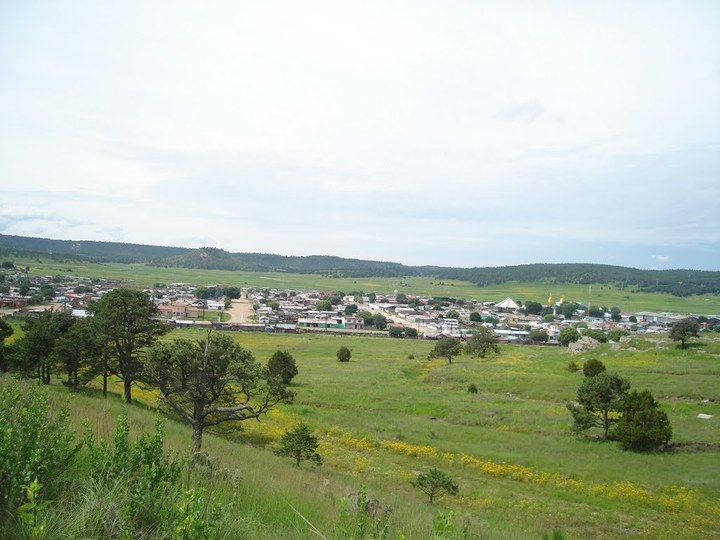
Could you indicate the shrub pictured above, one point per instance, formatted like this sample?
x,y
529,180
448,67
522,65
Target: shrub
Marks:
x,y
361,518
282,364
616,333
434,482
643,426
593,367
599,400
538,335
596,333
149,474
34,446
396,332
410,332
472,388
572,366
568,335
343,354
299,444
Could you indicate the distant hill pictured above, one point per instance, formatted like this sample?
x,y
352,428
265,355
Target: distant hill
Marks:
x,y
675,282
88,250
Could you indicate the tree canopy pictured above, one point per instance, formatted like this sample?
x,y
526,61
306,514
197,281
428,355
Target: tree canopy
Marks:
x,y
643,425
482,342
684,329
599,400
212,381
299,444
128,319
447,347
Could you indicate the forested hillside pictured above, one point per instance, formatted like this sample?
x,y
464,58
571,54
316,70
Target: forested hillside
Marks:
x,y
675,282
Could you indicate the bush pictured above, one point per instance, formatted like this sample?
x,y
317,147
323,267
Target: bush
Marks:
x,y
568,335
593,367
299,444
34,446
343,354
282,364
596,333
472,388
616,333
434,482
572,366
538,335
396,332
643,426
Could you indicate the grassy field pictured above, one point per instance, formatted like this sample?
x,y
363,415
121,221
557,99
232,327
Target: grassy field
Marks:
x,y
390,413
142,275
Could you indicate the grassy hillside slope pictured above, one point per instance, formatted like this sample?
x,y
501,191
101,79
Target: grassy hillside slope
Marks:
x,y
390,413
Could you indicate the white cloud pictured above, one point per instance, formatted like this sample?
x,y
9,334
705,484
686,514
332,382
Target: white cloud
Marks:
x,y
398,131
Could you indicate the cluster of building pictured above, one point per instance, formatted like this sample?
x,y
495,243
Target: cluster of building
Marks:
x,y
293,311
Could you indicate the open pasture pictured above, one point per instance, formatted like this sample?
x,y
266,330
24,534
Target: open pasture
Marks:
x,y
390,413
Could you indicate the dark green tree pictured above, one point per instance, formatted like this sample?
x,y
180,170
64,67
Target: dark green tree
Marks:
x,y
452,314
129,319
447,347
282,364
299,444
684,329
32,354
351,309
568,335
643,427
410,332
596,334
615,314
396,332
599,402
483,341
77,353
212,381
538,335
366,316
343,354
379,321
593,367
569,308
5,332
232,292
324,305
475,317
533,308
616,333
434,482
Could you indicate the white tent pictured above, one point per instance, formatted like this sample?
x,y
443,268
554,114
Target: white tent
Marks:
x,y
508,303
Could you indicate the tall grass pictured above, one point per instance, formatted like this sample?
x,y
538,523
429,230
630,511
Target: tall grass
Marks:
x,y
383,417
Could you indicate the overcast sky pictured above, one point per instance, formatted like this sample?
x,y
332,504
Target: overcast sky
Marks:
x,y
453,133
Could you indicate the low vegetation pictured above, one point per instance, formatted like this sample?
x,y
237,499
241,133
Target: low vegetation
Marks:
x,y
519,469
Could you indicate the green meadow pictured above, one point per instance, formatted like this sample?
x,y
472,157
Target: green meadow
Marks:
x,y
142,275
390,413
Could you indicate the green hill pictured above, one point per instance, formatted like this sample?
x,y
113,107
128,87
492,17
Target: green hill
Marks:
x,y
674,282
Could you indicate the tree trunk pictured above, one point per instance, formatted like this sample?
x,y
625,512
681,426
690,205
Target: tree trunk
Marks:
x,y
105,378
127,387
197,427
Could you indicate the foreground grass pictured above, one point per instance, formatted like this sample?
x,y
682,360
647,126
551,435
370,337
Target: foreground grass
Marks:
x,y
143,276
390,413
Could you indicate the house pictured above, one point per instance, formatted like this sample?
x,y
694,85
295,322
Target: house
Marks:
x,y
177,310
